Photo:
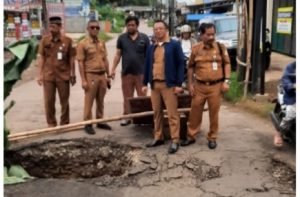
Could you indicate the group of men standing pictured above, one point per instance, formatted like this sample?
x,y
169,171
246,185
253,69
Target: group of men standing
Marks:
x,y
160,65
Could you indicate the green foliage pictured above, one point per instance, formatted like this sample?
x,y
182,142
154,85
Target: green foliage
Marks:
x,y
236,89
102,36
136,2
107,12
150,22
15,174
23,52
6,130
116,29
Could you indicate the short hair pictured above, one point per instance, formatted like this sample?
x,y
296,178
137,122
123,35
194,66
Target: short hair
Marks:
x,y
132,18
162,21
92,21
204,26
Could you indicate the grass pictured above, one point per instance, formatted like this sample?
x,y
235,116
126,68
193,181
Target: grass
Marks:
x,y
102,36
261,109
236,89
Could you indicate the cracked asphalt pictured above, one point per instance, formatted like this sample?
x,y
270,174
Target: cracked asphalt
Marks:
x,y
241,165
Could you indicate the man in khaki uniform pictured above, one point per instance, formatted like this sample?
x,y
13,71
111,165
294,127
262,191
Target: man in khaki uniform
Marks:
x,y
211,79
164,71
57,71
94,71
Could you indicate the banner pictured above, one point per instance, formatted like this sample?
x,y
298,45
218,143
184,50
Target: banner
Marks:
x,y
284,20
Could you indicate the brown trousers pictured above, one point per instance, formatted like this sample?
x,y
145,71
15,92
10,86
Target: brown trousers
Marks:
x,y
96,90
159,93
212,94
63,88
129,84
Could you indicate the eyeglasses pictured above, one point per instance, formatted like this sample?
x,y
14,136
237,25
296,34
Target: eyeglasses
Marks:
x,y
94,27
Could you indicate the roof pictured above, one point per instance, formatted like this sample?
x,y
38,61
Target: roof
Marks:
x,y
21,6
197,17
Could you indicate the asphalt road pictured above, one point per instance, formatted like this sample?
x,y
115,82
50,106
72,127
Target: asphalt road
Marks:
x,y
243,157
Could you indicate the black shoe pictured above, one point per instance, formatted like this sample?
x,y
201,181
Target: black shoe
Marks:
x,y
173,148
155,143
104,126
187,142
212,144
125,122
89,129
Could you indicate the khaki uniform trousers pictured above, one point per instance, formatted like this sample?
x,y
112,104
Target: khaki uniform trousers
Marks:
x,y
63,89
96,90
159,93
212,94
129,84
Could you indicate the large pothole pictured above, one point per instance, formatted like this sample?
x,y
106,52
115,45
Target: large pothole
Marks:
x,y
107,163
284,176
77,158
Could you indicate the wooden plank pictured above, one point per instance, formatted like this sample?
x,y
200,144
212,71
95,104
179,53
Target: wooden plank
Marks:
x,y
143,103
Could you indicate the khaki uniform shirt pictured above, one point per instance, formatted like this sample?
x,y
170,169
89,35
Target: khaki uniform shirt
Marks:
x,y
202,59
159,60
56,66
93,54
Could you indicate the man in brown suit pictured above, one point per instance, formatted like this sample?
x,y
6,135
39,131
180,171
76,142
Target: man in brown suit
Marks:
x,y
164,71
94,71
57,71
210,64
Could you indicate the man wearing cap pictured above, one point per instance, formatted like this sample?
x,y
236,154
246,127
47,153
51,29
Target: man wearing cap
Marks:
x,y
57,70
210,63
94,72
164,72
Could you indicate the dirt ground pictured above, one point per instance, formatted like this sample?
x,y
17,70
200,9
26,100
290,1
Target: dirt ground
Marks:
x,y
116,163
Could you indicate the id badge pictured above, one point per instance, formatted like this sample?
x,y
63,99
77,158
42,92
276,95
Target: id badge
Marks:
x,y
59,56
215,66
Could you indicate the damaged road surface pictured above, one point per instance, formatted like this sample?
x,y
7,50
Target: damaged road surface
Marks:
x,y
117,164
96,167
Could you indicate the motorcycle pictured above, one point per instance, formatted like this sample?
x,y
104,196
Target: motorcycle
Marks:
x,y
279,112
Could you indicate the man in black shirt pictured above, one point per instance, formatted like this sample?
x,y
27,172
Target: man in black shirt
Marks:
x,y
132,47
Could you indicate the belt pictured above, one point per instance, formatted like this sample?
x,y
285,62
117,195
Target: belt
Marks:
x,y
102,72
209,83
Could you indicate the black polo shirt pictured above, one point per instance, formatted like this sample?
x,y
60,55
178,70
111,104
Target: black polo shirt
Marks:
x,y
133,53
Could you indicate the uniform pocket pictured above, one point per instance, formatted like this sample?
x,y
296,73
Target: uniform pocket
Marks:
x,y
199,59
47,50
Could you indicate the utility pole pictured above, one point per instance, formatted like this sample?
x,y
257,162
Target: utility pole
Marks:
x,y
45,15
172,17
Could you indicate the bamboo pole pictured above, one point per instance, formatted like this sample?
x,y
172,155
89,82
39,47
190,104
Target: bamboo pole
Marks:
x,y
240,62
238,33
20,138
74,126
249,47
